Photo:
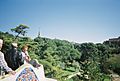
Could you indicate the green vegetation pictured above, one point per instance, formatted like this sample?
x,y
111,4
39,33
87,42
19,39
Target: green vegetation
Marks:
x,y
66,61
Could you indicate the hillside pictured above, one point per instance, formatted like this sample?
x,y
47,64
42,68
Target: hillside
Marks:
x,y
66,61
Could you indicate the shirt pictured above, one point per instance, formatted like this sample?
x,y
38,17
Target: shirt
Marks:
x,y
3,62
25,55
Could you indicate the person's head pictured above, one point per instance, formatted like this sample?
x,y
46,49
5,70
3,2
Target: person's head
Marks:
x,y
1,43
25,48
14,45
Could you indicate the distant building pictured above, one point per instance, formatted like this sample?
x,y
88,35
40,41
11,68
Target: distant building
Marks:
x,y
114,39
39,34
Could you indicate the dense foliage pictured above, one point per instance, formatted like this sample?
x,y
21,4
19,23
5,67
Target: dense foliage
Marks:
x,y
66,61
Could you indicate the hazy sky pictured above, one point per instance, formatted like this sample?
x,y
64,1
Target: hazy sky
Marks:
x,y
72,20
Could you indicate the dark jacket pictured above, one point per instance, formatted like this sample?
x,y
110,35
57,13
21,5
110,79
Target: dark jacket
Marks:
x,y
14,58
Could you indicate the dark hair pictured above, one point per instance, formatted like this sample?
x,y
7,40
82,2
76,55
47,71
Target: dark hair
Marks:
x,y
1,38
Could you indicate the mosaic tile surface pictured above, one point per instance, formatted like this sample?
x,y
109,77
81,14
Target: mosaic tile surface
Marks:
x,y
27,75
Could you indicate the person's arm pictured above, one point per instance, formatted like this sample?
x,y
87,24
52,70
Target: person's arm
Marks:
x,y
4,64
27,56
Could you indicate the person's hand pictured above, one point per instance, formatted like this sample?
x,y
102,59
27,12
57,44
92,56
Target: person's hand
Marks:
x,y
12,72
27,58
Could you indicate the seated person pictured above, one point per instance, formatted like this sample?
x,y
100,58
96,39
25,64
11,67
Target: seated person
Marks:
x,y
14,58
27,58
3,63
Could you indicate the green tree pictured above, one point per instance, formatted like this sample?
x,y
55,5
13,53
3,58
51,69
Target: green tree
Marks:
x,y
20,30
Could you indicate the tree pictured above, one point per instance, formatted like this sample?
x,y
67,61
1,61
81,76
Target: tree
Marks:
x,y
20,30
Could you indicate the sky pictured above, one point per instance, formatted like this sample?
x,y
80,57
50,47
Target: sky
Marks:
x,y
73,20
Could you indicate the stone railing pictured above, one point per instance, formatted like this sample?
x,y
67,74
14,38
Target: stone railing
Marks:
x,y
27,73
